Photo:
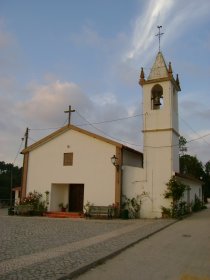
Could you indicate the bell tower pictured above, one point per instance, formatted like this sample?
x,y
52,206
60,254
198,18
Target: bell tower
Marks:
x,y
161,130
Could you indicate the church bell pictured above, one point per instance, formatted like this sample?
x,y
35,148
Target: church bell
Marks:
x,y
157,101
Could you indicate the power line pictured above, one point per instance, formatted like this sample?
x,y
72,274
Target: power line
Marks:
x,y
91,124
169,146
48,128
20,147
32,139
110,121
121,140
201,137
107,135
194,131
83,124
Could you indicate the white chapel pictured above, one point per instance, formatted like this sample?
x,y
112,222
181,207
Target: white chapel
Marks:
x,y
74,165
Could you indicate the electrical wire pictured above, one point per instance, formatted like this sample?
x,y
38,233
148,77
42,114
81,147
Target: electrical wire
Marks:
x,y
121,140
105,134
110,121
201,137
194,130
20,147
84,124
189,141
32,139
166,146
48,128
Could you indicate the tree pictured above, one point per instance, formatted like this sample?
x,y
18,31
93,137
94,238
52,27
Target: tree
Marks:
x,y
206,180
8,174
191,166
182,145
175,191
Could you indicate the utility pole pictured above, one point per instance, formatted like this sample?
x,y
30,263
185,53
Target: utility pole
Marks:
x,y
11,185
26,137
25,146
69,112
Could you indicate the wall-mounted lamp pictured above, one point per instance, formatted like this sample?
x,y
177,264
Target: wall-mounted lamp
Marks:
x,y
114,161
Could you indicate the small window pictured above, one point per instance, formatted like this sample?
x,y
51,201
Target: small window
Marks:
x,y
67,159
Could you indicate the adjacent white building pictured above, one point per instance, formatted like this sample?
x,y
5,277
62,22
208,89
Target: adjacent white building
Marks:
x,y
74,165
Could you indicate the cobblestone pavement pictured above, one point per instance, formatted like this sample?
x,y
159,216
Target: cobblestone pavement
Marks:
x,y
48,248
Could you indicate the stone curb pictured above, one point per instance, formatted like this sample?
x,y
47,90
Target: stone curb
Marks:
x,y
74,274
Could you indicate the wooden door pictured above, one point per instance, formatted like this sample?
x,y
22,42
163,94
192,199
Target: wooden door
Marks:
x,y
76,197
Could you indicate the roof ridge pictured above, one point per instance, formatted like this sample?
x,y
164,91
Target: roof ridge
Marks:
x,y
63,130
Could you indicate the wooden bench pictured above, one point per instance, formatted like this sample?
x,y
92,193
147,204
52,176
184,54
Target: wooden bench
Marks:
x,y
101,211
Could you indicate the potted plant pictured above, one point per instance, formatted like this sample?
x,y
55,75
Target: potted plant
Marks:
x,y
62,207
87,207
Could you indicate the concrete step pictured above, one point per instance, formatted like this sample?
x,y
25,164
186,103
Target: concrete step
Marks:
x,y
64,215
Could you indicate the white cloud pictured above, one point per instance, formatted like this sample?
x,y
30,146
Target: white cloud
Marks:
x,y
143,34
49,101
45,107
104,99
176,17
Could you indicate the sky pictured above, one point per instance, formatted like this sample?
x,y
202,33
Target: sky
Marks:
x,y
88,54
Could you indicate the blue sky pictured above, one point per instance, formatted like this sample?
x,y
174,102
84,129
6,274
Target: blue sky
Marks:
x,y
88,54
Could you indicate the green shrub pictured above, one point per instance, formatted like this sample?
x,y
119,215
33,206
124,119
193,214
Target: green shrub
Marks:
x,y
197,205
32,205
175,191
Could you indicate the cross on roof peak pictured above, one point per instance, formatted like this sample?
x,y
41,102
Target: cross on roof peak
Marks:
x,y
69,114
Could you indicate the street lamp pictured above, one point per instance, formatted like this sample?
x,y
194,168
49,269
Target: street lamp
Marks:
x,y
114,161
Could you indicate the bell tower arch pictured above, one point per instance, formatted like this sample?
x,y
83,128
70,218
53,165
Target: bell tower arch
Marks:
x,y
161,130
156,96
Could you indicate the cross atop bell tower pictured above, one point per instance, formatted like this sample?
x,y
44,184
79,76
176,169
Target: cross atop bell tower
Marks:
x,y
159,34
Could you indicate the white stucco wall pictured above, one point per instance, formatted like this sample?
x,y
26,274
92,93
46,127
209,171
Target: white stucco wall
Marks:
x,y
59,194
131,158
195,190
135,183
159,163
161,158
91,167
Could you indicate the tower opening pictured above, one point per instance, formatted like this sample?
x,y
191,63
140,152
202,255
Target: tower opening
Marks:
x,y
157,97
